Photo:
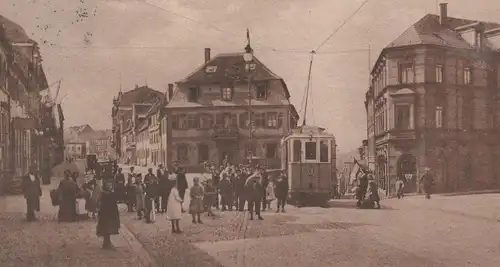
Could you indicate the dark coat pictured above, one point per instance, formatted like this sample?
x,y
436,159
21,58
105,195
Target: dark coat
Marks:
x,y
152,185
254,191
32,191
182,181
108,222
281,189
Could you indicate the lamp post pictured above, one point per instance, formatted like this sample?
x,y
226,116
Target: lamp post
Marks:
x,y
248,58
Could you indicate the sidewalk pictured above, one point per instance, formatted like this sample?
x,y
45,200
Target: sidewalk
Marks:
x,y
47,243
479,206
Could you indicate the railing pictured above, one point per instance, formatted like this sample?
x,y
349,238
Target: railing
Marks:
x,y
219,132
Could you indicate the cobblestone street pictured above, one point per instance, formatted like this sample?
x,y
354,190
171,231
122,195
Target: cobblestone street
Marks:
x,y
47,243
443,231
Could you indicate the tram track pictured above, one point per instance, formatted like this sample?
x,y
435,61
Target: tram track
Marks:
x,y
242,218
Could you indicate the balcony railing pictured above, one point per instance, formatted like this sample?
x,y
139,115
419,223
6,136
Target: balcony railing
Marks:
x,y
220,132
402,135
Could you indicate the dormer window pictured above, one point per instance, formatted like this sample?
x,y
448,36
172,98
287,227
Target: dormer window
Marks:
x,y
261,91
227,93
193,94
211,69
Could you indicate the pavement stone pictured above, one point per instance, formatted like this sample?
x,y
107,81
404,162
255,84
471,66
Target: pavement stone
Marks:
x,y
48,243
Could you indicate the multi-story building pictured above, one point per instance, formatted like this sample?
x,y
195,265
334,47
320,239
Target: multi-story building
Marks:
x,y
142,149
32,130
434,103
75,150
208,115
124,118
154,129
98,142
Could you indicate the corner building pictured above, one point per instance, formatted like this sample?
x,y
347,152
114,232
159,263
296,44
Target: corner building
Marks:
x,y
208,115
434,101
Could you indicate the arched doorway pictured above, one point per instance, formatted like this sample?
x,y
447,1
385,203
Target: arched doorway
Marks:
x,y
407,169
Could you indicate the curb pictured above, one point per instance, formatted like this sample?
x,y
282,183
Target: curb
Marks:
x,y
137,247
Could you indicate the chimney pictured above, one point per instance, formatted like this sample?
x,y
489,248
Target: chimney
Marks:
x,y
170,91
207,55
443,8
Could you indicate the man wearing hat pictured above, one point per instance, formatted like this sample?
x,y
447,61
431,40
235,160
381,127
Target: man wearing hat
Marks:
x,y
427,181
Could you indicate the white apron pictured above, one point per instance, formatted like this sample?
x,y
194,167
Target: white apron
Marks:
x,y
174,205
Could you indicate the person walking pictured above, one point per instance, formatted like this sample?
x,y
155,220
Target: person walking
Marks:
x,y
162,175
151,183
68,192
427,181
400,184
182,184
196,205
174,209
139,196
209,197
254,194
120,185
108,222
32,192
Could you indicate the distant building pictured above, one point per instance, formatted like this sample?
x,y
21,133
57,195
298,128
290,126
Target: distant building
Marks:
x,y
129,113
208,115
98,142
434,102
76,150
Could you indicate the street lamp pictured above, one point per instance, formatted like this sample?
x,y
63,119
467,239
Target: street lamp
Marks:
x,y
248,58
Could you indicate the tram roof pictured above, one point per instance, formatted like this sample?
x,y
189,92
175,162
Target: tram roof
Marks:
x,y
308,131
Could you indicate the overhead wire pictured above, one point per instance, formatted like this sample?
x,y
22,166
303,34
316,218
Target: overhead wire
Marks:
x,y
342,25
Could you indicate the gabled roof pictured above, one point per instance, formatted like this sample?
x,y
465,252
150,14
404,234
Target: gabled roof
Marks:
x,y
156,107
14,32
428,30
79,128
142,109
142,94
231,66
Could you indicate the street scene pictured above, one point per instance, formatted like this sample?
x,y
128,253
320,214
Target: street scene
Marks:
x,y
207,133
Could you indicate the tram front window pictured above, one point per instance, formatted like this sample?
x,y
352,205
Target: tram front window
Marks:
x,y
323,151
297,150
311,150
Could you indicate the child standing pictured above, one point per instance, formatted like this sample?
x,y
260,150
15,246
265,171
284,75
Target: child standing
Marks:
x,y
196,204
174,209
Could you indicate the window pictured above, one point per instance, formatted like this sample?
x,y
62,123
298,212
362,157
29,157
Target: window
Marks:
x,y
439,117
297,150
259,119
323,151
192,122
193,94
202,153
311,150
406,73
227,93
272,120
402,117
439,74
211,69
179,122
206,121
467,76
271,151
261,91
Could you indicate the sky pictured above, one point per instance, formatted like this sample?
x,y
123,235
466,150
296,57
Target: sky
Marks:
x,y
96,45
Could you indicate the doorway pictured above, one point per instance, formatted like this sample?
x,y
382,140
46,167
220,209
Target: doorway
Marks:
x,y
227,149
407,169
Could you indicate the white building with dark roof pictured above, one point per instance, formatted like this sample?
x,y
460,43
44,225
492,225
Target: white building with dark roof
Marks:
x,y
208,114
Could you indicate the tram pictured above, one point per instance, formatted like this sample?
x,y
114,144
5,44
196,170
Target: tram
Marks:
x,y
309,159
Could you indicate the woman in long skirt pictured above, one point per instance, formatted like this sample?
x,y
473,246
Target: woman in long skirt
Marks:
x,y
174,209
196,204
108,222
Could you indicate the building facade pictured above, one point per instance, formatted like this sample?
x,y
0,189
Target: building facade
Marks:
x,y
434,103
32,129
208,115
129,110
76,150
